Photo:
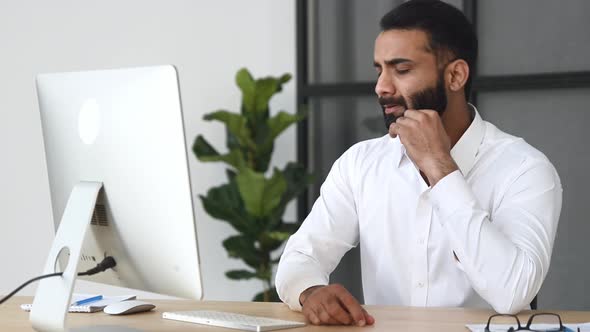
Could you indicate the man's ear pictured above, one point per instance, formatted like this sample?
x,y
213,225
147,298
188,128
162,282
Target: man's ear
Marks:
x,y
457,73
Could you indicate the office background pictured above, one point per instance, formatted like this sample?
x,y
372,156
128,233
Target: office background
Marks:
x,y
208,41
545,43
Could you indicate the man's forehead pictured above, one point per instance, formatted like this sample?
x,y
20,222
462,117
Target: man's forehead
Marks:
x,y
397,42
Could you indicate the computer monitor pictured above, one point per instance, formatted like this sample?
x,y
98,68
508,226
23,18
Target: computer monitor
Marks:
x,y
119,182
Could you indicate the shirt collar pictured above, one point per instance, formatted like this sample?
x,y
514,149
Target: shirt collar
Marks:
x,y
464,151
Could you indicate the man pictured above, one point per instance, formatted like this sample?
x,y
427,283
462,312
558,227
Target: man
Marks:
x,y
448,210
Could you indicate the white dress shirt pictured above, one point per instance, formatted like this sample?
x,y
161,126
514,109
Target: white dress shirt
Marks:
x,y
498,214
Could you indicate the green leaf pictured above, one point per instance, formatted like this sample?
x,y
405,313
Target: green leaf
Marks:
x,y
260,196
240,274
265,89
265,146
206,153
270,241
242,246
278,236
202,148
297,180
236,124
272,296
246,83
282,121
231,175
264,275
224,203
285,78
289,227
233,158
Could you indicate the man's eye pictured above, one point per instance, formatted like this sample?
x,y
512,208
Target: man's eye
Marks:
x,y
402,71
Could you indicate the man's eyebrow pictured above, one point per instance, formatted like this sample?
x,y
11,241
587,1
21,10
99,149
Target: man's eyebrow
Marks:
x,y
397,61
392,62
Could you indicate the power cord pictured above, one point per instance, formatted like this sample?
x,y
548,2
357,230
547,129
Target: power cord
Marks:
x,y
107,263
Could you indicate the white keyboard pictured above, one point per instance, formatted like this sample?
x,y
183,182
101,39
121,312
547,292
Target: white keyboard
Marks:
x,y
231,320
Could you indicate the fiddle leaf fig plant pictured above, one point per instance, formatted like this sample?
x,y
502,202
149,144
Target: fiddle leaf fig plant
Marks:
x,y
254,199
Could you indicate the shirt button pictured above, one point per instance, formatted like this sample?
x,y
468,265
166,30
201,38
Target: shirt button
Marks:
x,y
420,285
421,241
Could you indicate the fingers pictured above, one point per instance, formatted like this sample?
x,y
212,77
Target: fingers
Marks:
x,y
423,117
392,130
353,308
327,315
312,317
334,305
369,319
414,114
337,315
310,313
403,123
420,115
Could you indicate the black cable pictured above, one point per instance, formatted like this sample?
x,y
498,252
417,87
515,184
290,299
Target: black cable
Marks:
x,y
28,282
107,263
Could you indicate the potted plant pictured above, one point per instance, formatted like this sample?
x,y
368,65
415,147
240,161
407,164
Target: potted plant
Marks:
x,y
253,200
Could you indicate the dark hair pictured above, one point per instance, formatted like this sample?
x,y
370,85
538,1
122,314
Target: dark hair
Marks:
x,y
449,31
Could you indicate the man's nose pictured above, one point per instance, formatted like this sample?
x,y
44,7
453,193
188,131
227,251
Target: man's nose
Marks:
x,y
384,86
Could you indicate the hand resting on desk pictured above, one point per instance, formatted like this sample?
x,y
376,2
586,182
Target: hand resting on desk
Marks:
x,y
333,305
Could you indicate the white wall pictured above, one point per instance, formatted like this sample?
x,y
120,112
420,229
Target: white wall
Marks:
x,y
207,41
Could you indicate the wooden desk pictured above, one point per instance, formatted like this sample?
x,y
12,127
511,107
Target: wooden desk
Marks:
x,y
13,319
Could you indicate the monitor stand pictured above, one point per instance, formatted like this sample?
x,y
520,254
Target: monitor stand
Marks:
x,y
53,295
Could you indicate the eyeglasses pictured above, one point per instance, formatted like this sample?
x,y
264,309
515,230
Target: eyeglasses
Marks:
x,y
540,322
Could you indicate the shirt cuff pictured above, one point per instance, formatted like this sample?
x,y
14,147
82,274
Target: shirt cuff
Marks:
x,y
451,194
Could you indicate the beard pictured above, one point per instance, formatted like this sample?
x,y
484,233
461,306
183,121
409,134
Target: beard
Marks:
x,y
432,98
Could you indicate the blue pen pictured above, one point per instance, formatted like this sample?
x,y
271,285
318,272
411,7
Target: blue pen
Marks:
x,y
88,300
567,329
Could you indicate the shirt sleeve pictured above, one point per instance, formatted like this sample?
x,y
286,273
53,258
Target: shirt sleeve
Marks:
x,y
506,255
328,232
